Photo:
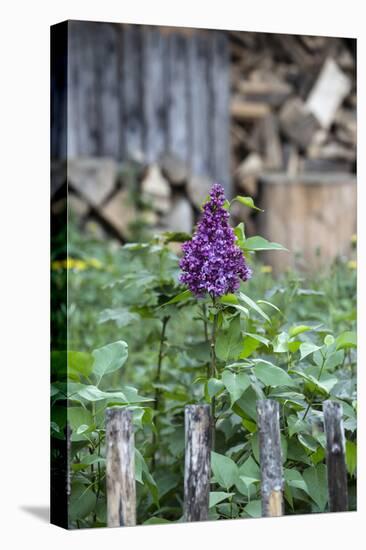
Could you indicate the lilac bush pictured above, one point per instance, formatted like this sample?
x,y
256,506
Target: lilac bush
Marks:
x,y
212,262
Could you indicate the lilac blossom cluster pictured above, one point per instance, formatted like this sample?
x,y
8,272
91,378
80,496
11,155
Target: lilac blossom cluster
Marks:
x,y
212,262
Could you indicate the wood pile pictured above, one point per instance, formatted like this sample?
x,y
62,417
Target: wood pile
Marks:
x,y
293,107
117,199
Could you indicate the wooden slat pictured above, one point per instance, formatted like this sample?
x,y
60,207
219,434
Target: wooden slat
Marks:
x,y
73,109
87,91
59,41
336,462
272,482
197,471
154,103
198,48
107,89
131,90
219,110
137,92
120,468
177,72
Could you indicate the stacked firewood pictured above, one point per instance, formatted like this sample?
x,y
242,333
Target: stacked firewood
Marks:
x,y
293,106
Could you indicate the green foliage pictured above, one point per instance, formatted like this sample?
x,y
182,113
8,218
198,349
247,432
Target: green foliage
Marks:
x,y
140,339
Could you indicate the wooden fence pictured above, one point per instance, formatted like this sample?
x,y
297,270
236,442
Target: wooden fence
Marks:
x,y
136,91
121,492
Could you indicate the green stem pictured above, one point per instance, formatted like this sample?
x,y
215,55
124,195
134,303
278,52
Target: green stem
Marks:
x,y
307,410
321,368
205,328
311,399
213,372
157,381
205,324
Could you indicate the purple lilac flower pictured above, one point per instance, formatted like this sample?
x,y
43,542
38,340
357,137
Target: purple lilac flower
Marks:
x,y
212,262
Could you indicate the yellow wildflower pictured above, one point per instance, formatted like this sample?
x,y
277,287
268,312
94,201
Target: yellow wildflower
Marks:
x,y
266,269
93,262
352,264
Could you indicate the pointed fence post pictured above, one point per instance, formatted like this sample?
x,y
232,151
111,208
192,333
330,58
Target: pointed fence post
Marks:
x,y
197,470
272,482
120,468
336,462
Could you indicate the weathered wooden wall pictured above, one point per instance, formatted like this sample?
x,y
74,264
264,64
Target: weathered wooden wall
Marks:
x,y
139,91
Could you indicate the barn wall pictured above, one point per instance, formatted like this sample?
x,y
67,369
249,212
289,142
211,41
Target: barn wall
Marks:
x,y
139,91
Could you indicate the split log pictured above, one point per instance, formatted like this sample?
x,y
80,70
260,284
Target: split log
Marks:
x,y
273,93
248,110
328,93
271,144
92,178
298,123
306,214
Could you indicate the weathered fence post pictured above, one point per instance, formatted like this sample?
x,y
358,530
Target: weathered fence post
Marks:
x,y
336,463
120,468
197,469
272,482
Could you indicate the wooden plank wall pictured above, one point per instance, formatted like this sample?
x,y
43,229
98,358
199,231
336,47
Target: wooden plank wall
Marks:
x,y
139,91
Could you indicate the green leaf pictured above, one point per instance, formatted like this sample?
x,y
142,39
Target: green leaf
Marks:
x,y
244,298
122,316
236,384
142,475
156,521
271,375
224,469
132,395
250,344
214,386
309,442
78,416
86,462
346,340
265,302
281,343
334,359
247,201
82,501
78,363
229,342
240,233
218,496
254,509
258,337
55,427
316,480
92,393
229,299
351,457
307,348
109,358
294,479
299,329
312,384
179,298
257,244
296,425
245,407
250,468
